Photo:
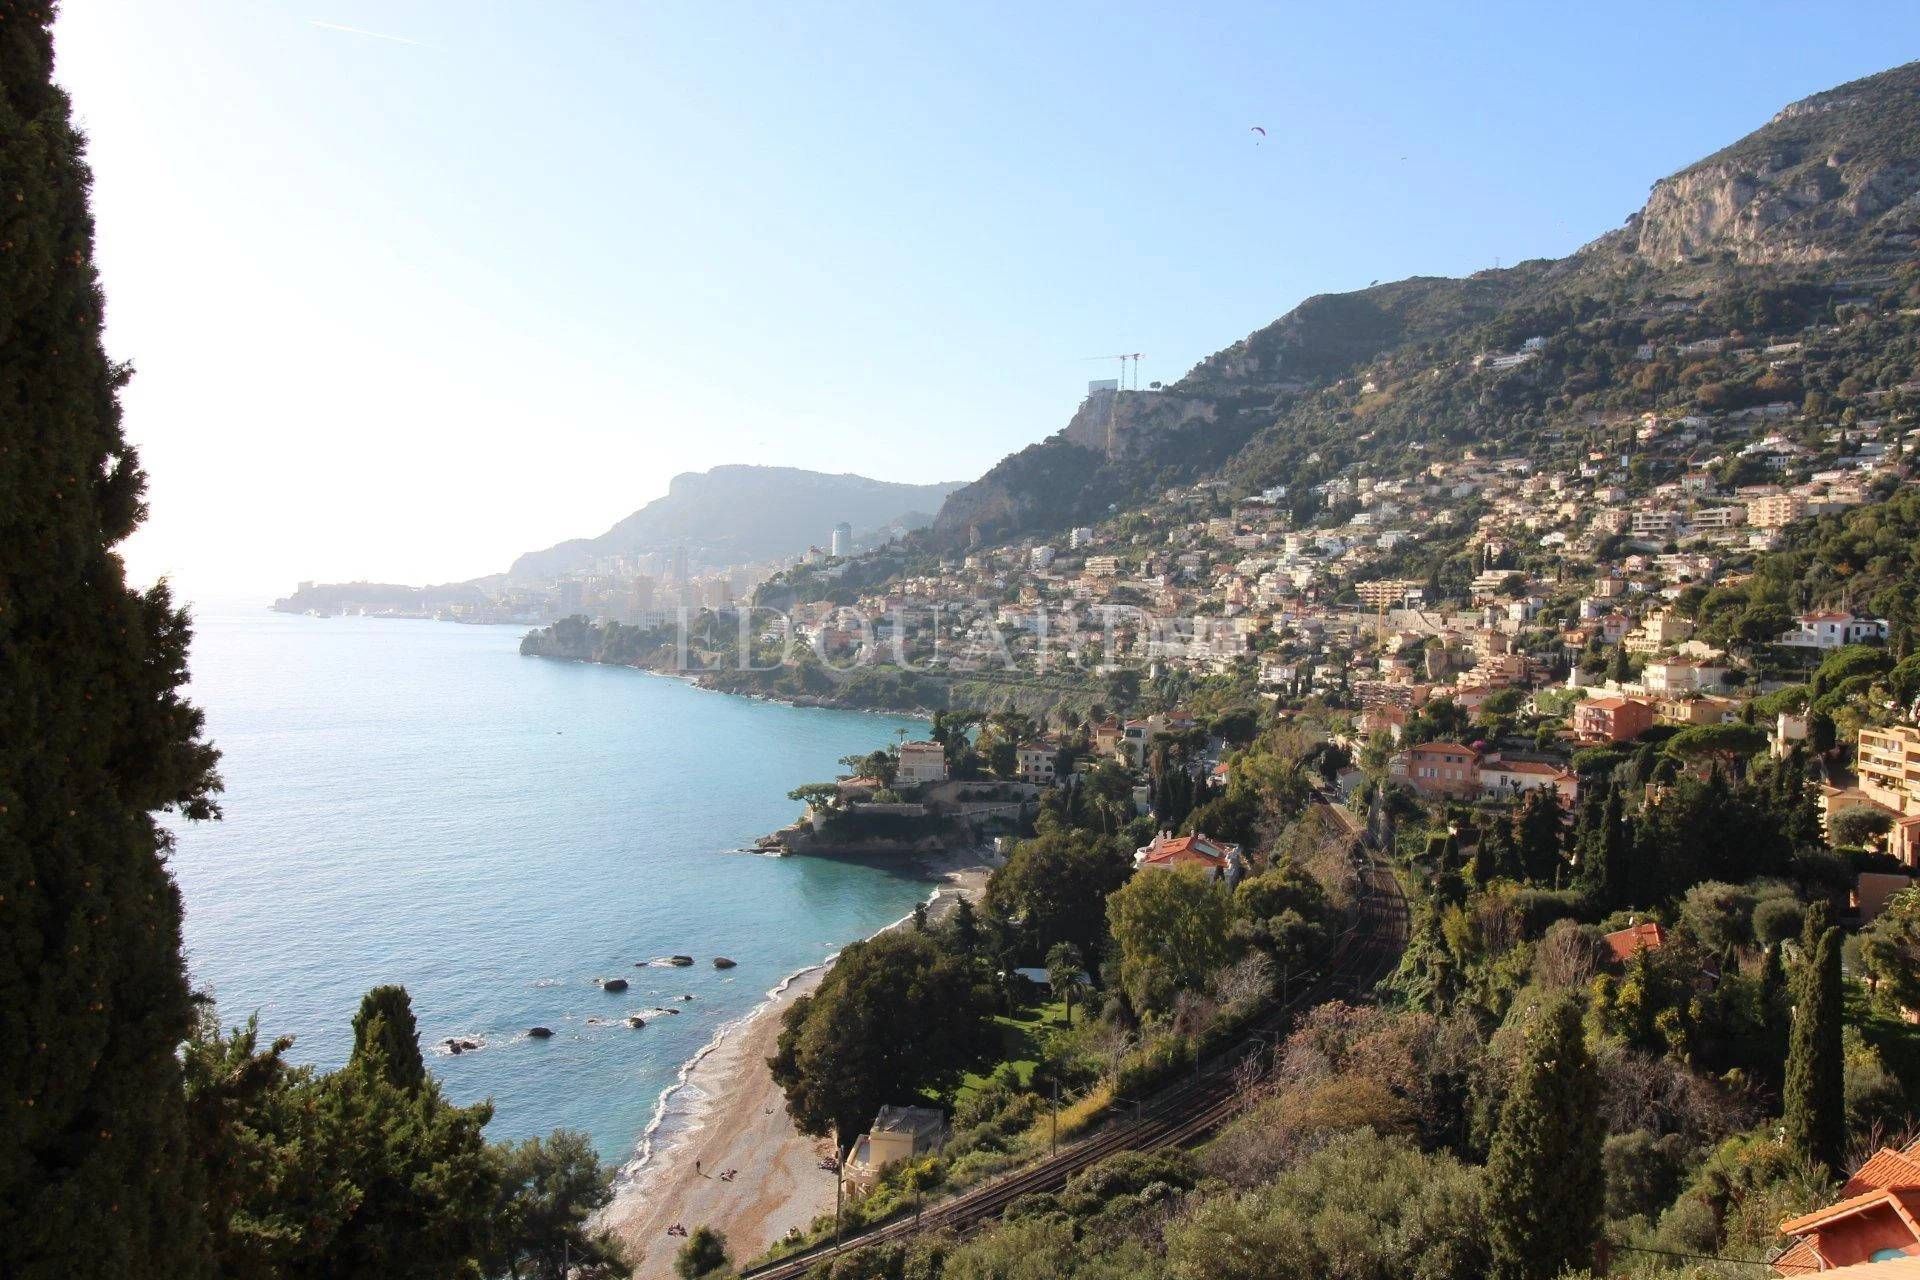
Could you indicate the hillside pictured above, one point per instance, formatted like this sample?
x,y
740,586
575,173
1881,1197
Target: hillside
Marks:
x,y
742,514
1816,208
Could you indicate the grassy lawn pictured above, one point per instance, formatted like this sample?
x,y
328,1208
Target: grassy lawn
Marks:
x,y
1022,1042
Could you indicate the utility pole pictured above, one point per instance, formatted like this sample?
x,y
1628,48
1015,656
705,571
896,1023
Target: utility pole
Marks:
x,y
1054,1142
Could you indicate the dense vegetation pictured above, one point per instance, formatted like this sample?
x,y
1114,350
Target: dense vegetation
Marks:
x,y
96,1174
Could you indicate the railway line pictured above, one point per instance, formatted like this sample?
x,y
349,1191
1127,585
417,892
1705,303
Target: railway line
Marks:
x,y
1183,1113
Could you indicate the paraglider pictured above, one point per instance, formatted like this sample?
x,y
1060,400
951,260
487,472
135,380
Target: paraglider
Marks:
x,y
1262,132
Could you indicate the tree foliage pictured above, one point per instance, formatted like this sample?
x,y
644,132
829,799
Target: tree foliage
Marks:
x,y
95,738
1545,1181
896,1014
1816,1096
1171,930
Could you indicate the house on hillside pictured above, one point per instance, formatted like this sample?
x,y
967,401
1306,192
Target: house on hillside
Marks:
x,y
1875,1220
1037,761
1827,630
1506,779
1439,769
898,1133
1167,852
1611,719
1623,944
921,763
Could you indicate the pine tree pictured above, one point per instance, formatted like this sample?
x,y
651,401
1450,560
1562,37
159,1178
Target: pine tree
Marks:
x,y
386,1040
1545,1183
95,1176
1816,1094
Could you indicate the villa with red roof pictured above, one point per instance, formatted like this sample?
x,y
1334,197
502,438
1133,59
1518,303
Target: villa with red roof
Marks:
x,y
1876,1219
1166,851
1439,769
1623,944
1611,719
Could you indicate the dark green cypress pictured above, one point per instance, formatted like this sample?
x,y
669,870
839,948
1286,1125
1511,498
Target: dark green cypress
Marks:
x,y
385,1039
1545,1183
95,1179
1816,1090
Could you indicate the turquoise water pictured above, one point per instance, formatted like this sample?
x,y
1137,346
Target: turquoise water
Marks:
x,y
414,802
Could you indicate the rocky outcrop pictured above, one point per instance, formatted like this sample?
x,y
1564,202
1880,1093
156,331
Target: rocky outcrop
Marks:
x,y
1834,176
613,984
1120,424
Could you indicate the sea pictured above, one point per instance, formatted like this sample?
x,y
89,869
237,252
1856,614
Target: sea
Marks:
x,y
413,802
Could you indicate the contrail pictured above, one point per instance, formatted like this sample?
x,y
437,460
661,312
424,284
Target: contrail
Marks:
x,y
371,35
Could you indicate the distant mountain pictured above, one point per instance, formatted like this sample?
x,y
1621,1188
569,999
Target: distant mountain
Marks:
x,y
1817,208
746,514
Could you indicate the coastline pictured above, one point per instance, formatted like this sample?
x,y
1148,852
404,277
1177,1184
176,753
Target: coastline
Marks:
x,y
724,1112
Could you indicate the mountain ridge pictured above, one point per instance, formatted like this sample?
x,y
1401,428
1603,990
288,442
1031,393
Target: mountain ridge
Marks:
x,y
741,513
1827,188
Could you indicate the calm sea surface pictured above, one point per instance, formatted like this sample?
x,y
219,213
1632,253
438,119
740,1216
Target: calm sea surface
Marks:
x,y
414,802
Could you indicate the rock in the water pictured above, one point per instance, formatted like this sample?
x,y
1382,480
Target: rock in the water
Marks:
x,y
686,997
721,962
635,1020
679,962
539,1033
614,984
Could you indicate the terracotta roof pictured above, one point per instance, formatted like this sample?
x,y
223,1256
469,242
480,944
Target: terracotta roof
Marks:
x,y
1194,848
1886,1168
1799,1258
1903,1200
1538,768
1446,746
1625,943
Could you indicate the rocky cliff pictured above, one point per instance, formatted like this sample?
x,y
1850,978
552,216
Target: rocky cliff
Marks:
x,y
1833,176
1826,193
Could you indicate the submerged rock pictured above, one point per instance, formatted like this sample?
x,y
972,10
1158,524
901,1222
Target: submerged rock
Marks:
x,y
721,962
679,962
539,1033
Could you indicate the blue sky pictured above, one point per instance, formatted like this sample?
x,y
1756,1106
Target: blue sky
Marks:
x,y
414,287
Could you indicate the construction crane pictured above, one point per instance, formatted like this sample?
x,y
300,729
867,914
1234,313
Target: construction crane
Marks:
x,y
1123,357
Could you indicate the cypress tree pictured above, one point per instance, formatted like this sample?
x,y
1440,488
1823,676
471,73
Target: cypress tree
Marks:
x,y
1816,1091
1545,1183
386,1040
1776,1013
95,1177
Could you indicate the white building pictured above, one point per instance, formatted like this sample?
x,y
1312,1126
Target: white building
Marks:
x,y
842,539
921,762
1832,630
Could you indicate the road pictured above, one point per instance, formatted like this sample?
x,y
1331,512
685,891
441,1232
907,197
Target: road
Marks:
x,y
1184,1113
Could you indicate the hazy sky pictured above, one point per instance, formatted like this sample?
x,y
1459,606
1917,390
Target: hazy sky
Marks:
x,y
414,287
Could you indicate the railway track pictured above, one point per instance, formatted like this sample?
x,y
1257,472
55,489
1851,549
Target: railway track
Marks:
x,y
1183,1113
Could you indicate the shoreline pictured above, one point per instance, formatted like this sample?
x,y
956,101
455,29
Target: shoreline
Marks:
x,y
723,1112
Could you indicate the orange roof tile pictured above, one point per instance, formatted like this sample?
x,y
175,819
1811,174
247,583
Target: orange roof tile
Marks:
x,y
1623,943
1885,1168
1193,848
